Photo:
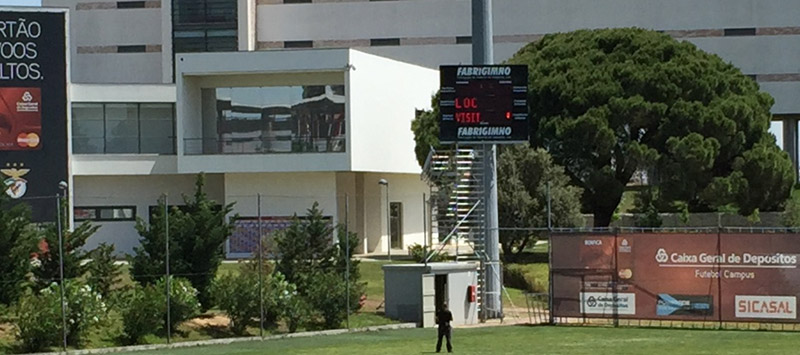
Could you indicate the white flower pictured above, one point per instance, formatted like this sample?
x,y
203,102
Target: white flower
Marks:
x,y
36,263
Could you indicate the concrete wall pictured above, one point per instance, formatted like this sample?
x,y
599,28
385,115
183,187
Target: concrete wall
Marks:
x,y
139,191
282,194
98,28
403,294
464,311
383,96
405,188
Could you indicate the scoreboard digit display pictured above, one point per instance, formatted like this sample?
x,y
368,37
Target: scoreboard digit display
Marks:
x,y
483,104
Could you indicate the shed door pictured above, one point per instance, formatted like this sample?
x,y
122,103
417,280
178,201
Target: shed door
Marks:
x,y
428,300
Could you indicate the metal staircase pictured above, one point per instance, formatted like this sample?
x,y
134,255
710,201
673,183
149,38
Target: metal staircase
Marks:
x,y
455,177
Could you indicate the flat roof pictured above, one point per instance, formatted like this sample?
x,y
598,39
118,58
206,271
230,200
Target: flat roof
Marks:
x,y
435,268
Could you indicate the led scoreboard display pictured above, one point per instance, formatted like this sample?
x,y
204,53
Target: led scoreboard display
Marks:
x,y
483,104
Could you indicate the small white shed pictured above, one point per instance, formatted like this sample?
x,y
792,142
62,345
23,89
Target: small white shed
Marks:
x,y
415,292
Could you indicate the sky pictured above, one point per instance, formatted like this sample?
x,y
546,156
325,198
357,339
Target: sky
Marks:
x,y
20,2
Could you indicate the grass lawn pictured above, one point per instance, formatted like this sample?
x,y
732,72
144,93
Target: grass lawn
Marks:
x,y
524,340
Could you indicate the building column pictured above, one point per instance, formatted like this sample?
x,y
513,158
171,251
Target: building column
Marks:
x,y
790,138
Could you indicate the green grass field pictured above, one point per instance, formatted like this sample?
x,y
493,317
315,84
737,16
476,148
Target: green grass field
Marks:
x,y
524,340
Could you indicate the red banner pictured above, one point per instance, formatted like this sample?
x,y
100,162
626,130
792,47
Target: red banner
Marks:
x,y
704,277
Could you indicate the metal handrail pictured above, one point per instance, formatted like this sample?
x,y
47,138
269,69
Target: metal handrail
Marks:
x,y
449,235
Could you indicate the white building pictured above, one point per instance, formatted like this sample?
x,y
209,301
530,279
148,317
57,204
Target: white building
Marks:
x,y
128,71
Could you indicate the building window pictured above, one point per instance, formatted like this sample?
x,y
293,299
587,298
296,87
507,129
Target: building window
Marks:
x,y
732,32
130,4
204,26
396,224
298,44
132,49
123,128
464,40
275,119
376,42
105,213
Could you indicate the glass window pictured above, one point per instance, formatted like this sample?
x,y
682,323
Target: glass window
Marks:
x,y
281,119
87,128
204,25
157,130
123,128
104,213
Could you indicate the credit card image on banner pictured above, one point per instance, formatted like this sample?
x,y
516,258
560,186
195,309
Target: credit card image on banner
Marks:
x,y
684,305
20,118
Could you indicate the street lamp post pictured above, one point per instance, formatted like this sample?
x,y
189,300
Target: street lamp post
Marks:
x,y
388,220
62,186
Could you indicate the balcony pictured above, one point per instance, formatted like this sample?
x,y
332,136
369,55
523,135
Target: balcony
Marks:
x,y
263,145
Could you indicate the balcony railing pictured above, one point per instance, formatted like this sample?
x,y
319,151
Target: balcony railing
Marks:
x,y
263,145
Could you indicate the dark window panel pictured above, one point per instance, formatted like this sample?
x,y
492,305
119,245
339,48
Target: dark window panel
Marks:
x,y
732,32
464,40
298,44
132,49
375,42
130,4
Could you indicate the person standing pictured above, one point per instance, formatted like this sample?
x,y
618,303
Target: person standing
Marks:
x,y
443,319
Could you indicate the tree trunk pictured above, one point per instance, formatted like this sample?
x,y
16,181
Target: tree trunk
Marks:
x,y
602,216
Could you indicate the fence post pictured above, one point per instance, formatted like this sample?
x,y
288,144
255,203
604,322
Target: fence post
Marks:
x,y
551,319
260,270
347,255
61,272
166,243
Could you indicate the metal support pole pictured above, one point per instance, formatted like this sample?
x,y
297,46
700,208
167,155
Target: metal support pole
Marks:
x,y
483,53
61,272
425,229
549,210
260,271
347,255
166,243
388,224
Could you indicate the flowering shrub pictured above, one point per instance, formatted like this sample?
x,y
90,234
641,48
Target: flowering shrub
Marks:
x,y
39,315
38,320
85,309
182,300
237,295
143,311
293,308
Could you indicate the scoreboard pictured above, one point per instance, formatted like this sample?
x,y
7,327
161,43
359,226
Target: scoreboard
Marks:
x,y
483,104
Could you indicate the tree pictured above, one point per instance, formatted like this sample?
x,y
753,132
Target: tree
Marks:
x,y
309,258
426,130
197,232
523,174
48,270
606,103
17,242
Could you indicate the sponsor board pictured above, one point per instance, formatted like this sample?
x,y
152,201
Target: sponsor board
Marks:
x,y
608,303
684,305
33,108
771,307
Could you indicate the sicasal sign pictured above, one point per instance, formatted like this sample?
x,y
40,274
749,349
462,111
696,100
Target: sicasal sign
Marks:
x,y
483,104
33,107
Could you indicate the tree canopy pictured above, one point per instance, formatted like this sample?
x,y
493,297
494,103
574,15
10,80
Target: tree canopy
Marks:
x,y
607,103
523,174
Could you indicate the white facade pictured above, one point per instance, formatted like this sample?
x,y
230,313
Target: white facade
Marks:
x,y
380,101
124,54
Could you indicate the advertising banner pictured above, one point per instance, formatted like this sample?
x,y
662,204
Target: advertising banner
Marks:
x,y
698,276
33,108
